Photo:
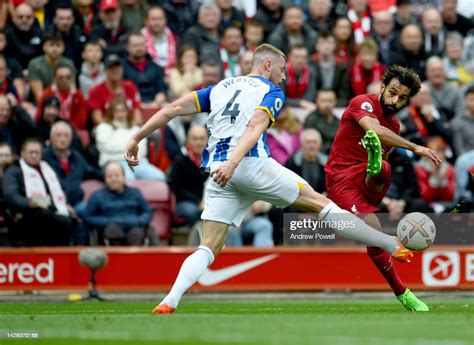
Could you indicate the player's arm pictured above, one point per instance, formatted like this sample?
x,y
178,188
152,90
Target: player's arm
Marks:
x,y
185,105
256,126
388,137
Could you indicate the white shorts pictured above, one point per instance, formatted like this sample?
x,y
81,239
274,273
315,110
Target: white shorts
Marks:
x,y
256,178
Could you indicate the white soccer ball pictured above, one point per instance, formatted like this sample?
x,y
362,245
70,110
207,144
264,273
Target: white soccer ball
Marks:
x,y
93,258
416,231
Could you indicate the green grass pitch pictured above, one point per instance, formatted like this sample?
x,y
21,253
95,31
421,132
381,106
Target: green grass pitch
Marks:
x,y
295,322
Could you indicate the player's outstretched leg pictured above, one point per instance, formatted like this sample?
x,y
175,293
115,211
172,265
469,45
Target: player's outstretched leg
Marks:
x,y
214,236
384,264
311,201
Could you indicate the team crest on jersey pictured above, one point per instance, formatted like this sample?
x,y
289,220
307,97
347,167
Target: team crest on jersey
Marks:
x,y
278,104
367,106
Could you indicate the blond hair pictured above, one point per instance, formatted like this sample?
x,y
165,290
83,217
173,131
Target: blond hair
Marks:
x,y
266,51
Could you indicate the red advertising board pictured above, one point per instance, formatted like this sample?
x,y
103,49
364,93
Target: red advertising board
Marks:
x,y
239,269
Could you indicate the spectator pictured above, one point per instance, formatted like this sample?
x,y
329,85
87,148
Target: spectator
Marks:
x,y
446,97
459,72
433,31
92,70
366,69
36,200
230,16
404,15
245,63
71,169
454,21
359,15
160,41
300,85
256,225
119,212
114,85
384,36
73,105
181,14
232,48
110,32
6,158
147,75
186,179
204,36
50,108
319,15
112,136
346,49
24,36
41,68
308,162
422,119
410,52
133,13
14,72
331,72
292,31
403,195
187,74
437,184
73,38
6,87
270,14
464,168
323,118
85,15
283,139
42,15
463,126
253,35
469,46
15,123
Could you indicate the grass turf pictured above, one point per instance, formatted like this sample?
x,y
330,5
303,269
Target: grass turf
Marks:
x,y
349,321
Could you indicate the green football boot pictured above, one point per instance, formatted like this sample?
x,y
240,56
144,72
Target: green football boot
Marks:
x,y
411,302
374,151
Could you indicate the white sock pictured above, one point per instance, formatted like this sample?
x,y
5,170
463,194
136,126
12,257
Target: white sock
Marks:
x,y
361,232
193,267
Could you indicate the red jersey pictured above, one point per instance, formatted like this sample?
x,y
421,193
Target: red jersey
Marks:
x,y
348,155
100,96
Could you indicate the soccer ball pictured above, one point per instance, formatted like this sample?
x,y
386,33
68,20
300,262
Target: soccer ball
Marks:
x,y
416,231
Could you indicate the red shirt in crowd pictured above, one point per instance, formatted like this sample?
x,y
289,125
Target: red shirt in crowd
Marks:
x,y
101,96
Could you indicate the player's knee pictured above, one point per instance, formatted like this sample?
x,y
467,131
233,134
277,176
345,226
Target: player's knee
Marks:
x,y
386,171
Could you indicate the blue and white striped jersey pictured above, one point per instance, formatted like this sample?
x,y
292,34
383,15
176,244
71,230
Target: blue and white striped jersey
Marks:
x,y
231,103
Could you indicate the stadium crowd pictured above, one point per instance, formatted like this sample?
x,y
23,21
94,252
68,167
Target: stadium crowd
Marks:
x,y
78,77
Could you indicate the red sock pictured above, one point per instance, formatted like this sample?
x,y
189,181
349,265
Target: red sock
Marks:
x,y
384,264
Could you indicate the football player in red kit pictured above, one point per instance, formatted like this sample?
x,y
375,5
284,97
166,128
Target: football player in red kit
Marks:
x,y
357,173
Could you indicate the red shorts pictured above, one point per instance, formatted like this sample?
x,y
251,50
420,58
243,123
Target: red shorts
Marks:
x,y
350,193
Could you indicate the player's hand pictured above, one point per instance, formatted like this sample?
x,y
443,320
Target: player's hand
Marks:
x,y
131,153
223,173
429,153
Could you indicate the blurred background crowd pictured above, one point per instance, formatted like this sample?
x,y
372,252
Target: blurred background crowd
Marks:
x,y
78,78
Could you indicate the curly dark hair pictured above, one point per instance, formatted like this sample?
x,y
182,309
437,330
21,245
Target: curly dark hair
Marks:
x,y
405,76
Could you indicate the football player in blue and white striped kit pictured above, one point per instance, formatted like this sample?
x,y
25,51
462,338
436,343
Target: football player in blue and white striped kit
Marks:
x,y
241,109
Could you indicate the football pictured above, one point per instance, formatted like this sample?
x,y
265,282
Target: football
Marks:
x,y
416,231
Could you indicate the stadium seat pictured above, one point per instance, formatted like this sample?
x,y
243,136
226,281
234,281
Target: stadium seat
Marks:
x,y
160,199
90,186
84,136
148,112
